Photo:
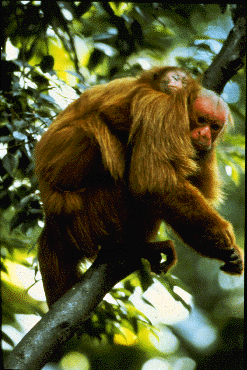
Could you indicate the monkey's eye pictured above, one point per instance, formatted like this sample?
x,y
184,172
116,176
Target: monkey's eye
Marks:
x,y
175,77
215,127
201,120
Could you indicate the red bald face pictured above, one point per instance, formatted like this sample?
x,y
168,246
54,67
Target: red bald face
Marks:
x,y
210,113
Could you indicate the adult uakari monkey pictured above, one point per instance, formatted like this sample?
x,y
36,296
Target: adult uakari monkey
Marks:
x,y
119,160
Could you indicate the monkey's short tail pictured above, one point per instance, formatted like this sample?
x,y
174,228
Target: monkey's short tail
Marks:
x,y
59,272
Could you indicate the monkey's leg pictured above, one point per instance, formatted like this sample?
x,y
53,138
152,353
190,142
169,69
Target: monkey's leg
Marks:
x,y
140,231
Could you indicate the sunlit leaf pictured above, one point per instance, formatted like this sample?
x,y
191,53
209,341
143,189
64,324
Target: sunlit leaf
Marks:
x,y
19,299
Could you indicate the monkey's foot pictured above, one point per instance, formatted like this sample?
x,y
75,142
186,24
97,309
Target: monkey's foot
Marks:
x,y
153,252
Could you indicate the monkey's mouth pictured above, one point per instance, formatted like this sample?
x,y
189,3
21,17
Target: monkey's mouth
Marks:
x,y
172,88
201,146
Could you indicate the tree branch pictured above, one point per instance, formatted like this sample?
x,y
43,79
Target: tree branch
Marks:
x,y
113,263
67,315
229,60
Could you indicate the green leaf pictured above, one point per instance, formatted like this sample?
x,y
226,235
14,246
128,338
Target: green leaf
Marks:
x,y
144,274
169,282
47,63
10,163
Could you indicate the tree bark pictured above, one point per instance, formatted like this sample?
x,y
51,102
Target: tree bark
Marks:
x,y
229,60
68,314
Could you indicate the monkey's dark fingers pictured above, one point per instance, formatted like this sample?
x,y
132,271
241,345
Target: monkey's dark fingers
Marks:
x,y
235,263
153,255
223,254
162,267
233,257
234,268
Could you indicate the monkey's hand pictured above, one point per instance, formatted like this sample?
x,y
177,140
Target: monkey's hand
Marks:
x,y
235,263
228,252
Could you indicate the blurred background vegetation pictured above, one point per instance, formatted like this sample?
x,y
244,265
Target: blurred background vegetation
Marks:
x,y
51,52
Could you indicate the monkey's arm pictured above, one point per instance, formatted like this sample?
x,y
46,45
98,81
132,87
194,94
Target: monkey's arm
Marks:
x,y
201,227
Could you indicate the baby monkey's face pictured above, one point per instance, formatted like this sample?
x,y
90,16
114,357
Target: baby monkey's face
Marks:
x,y
173,81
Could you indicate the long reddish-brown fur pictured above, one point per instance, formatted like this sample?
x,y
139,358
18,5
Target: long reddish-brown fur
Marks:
x,y
116,162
